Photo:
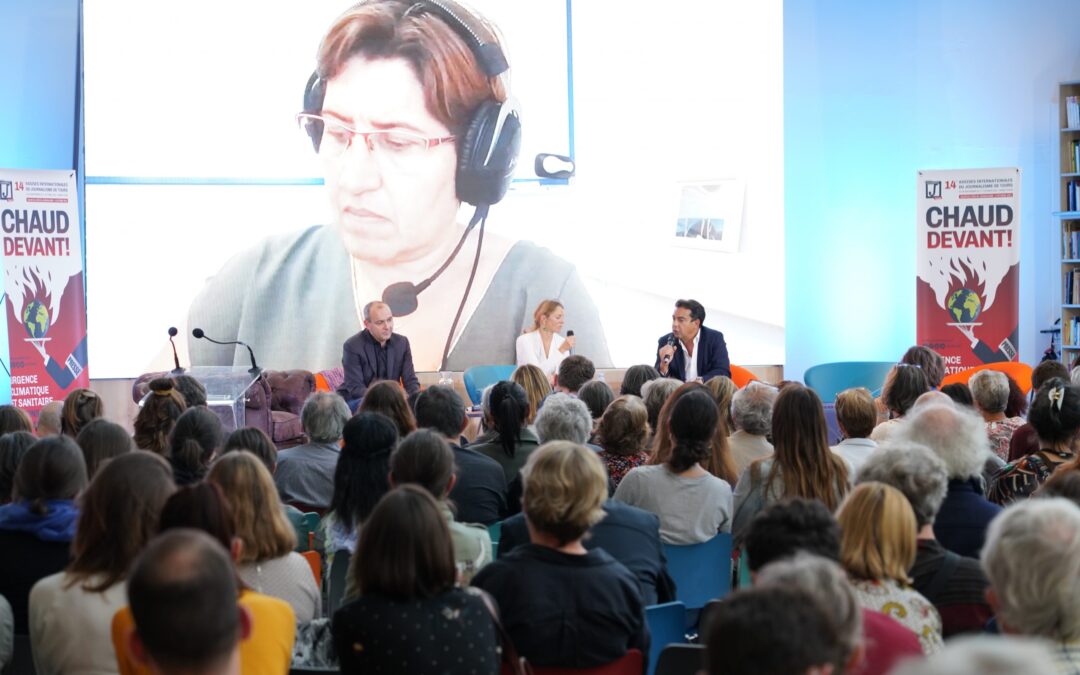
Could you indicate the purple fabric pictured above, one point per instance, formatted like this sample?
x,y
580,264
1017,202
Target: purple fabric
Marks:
x,y
57,525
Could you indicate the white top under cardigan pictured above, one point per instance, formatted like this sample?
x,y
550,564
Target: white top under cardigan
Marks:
x,y
530,350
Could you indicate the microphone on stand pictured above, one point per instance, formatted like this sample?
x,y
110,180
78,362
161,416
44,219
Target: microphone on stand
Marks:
x,y
200,335
570,334
176,359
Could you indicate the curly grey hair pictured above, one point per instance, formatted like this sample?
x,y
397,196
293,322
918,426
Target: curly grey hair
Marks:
x,y
914,470
956,434
828,583
563,418
751,408
990,389
1032,559
985,655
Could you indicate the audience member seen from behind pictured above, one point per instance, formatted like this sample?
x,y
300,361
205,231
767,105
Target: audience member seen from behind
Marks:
x,y
693,505
655,394
623,434
1055,415
1031,558
305,473
750,633
80,406
183,598
273,626
856,417
100,441
999,655
36,528
14,419
194,441
597,396
564,418
48,421
192,390
574,372
954,584
1018,400
802,464
751,415
903,386
536,387
990,391
410,617
510,441
1061,484
563,605
804,526
360,479
877,548
71,612
718,461
827,583
267,563
635,377
958,436
959,393
388,398
254,441
425,459
160,410
541,345
13,447
480,491
723,390
1024,440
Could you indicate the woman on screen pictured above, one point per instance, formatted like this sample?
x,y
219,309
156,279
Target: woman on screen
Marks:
x,y
542,345
400,102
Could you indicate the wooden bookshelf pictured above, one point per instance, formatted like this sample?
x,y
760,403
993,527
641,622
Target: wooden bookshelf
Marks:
x,y
1068,216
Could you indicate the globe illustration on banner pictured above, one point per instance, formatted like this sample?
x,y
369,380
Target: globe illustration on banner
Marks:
x,y
964,305
36,319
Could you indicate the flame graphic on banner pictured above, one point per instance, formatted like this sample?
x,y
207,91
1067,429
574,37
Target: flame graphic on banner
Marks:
x,y
35,290
34,283
950,272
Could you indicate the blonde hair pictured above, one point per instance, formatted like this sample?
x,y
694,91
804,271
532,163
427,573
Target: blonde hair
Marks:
x,y
565,489
536,386
878,533
545,308
258,518
855,410
723,390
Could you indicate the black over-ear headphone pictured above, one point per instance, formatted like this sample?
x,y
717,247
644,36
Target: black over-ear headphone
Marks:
x,y
488,150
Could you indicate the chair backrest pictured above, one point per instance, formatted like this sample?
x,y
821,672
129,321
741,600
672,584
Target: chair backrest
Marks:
x,y
702,572
478,377
495,532
741,376
667,625
22,658
681,660
632,663
335,584
314,561
829,379
306,526
1021,372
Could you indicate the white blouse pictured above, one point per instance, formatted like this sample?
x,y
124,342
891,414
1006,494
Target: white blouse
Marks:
x,y
530,350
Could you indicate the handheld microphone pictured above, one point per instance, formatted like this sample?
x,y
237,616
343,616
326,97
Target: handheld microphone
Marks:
x,y
200,335
670,343
176,359
570,334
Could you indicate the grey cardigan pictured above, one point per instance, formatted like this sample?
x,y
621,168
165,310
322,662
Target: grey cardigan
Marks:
x,y
291,298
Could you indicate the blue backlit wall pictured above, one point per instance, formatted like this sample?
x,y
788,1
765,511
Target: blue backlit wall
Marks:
x,y
872,93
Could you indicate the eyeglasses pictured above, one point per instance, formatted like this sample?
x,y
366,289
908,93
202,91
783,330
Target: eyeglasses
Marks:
x,y
334,138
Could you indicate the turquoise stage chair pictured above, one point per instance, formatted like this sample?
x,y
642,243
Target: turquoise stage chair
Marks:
x,y
479,377
829,379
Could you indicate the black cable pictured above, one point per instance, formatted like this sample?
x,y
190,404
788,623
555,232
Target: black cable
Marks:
x,y
481,216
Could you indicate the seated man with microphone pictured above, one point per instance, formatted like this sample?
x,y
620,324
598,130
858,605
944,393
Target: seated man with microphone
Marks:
x,y
376,353
691,351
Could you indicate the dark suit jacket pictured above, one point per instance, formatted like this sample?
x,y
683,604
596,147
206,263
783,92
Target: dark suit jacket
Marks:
x,y
479,493
631,535
712,358
360,361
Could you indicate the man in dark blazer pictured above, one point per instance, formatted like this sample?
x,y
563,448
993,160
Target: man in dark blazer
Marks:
x,y
629,534
375,353
691,351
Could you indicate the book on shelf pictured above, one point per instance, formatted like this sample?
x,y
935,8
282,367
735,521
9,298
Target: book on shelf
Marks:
x,y
1072,112
1075,157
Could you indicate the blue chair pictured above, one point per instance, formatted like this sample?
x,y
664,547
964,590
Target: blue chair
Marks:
x,y
829,379
667,623
681,660
702,572
495,532
478,377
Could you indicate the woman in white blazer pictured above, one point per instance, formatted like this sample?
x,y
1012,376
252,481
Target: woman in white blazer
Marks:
x,y
542,345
